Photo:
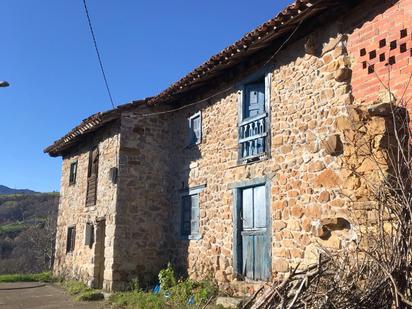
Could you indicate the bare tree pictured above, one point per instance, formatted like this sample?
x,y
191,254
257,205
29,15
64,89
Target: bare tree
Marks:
x,y
40,240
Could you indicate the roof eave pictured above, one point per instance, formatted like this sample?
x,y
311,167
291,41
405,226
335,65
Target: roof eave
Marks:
x,y
88,125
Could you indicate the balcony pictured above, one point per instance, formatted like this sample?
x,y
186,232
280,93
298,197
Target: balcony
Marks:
x,y
253,134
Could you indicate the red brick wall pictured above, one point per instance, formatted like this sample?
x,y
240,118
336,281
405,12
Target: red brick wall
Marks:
x,y
380,45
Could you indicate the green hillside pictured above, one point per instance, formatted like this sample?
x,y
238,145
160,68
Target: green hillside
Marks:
x,y
27,232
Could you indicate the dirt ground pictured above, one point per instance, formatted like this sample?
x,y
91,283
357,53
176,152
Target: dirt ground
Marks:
x,y
24,295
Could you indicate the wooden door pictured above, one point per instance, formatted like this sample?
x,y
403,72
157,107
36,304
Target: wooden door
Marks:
x,y
254,234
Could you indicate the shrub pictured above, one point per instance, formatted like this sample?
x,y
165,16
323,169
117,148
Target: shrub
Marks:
x,y
167,278
201,291
204,290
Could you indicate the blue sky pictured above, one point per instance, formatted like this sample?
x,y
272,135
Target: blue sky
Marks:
x,y
48,57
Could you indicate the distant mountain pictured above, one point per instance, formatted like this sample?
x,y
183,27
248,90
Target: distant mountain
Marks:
x,y
7,190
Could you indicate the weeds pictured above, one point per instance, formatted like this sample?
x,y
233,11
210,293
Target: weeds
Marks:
x,y
167,278
138,299
173,293
81,292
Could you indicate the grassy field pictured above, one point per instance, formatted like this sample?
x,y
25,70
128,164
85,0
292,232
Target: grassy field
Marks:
x,y
41,277
12,228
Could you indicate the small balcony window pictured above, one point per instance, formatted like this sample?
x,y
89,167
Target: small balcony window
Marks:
x,y
254,126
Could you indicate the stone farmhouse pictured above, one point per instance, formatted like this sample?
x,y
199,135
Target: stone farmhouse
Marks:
x,y
233,172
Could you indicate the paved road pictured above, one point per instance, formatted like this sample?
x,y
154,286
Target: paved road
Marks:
x,y
24,295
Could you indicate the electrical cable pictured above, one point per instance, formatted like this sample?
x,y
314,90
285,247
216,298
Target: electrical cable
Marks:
x,y
98,53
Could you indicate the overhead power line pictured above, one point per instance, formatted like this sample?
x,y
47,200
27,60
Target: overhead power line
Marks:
x,y
98,53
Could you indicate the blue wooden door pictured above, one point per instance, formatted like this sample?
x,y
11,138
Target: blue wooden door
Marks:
x,y
254,234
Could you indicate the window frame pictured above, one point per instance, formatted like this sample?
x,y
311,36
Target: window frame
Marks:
x,y
266,75
73,176
71,239
191,133
189,193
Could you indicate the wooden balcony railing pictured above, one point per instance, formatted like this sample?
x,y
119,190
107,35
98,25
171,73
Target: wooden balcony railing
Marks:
x,y
253,136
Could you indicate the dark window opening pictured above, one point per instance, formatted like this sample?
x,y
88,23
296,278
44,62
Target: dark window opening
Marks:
x,y
89,234
93,162
382,43
73,173
371,69
362,52
404,33
382,57
403,48
392,60
71,239
364,64
393,45
372,54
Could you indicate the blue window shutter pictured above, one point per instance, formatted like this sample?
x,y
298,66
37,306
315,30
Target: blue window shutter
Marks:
x,y
190,133
186,216
195,215
254,99
196,129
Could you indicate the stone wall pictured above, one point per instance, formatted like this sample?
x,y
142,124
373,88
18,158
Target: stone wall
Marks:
x,y
308,94
80,264
319,167
145,185
310,100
